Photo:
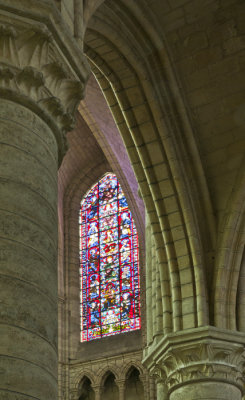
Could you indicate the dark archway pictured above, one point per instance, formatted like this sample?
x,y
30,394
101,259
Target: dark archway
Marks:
x,y
86,392
110,390
134,388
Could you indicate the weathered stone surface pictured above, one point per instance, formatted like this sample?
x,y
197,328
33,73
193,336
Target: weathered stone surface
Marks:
x,y
28,284
206,363
172,72
41,84
207,391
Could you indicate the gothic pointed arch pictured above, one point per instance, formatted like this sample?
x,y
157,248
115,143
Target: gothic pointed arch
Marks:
x,y
109,262
86,391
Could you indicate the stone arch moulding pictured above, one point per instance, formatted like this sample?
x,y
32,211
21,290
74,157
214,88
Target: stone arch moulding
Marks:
x,y
240,318
101,123
130,366
186,203
142,378
79,377
143,35
85,375
82,183
230,247
79,186
107,372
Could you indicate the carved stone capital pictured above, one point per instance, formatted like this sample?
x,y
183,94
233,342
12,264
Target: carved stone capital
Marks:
x,y
120,384
158,373
97,388
41,65
97,391
201,355
214,361
73,395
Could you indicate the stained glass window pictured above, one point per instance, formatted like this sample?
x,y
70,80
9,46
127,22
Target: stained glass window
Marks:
x,y
109,262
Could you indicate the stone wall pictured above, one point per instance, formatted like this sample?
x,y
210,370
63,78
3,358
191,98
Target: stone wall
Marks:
x,y
120,366
93,151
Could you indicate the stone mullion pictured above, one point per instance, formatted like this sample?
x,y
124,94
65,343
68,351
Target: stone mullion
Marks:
x,y
159,310
61,348
152,391
166,296
148,281
153,280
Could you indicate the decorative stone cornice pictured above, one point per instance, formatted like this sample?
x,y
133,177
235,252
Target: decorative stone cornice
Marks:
x,y
200,355
37,68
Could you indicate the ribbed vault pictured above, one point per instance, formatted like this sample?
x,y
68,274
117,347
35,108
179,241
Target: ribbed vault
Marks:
x,y
164,79
128,67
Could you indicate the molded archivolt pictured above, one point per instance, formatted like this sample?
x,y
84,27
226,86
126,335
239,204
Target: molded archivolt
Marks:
x,y
105,131
161,166
74,186
229,276
85,389
79,379
105,373
87,375
110,390
134,388
241,296
128,53
120,366
130,366
121,374
82,166
75,192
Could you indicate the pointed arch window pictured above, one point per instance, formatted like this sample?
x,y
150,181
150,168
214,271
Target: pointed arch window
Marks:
x,y
109,262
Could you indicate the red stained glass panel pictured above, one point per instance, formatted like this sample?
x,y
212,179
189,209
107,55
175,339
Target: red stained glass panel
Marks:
x,y
109,262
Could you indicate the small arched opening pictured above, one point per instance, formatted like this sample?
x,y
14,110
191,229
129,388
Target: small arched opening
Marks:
x,y
86,391
110,390
134,388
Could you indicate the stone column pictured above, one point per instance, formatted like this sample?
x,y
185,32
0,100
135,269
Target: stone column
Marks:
x,y
121,388
39,92
97,391
152,388
202,364
162,392
160,381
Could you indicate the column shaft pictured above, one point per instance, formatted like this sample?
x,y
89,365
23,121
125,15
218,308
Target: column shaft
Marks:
x,y
207,391
121,389
162,391
28,264
42,79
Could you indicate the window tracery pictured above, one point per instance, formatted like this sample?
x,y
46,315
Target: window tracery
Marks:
x,y
109,262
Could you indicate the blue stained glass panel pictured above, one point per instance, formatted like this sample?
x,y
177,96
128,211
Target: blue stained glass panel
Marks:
x,y
109,262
